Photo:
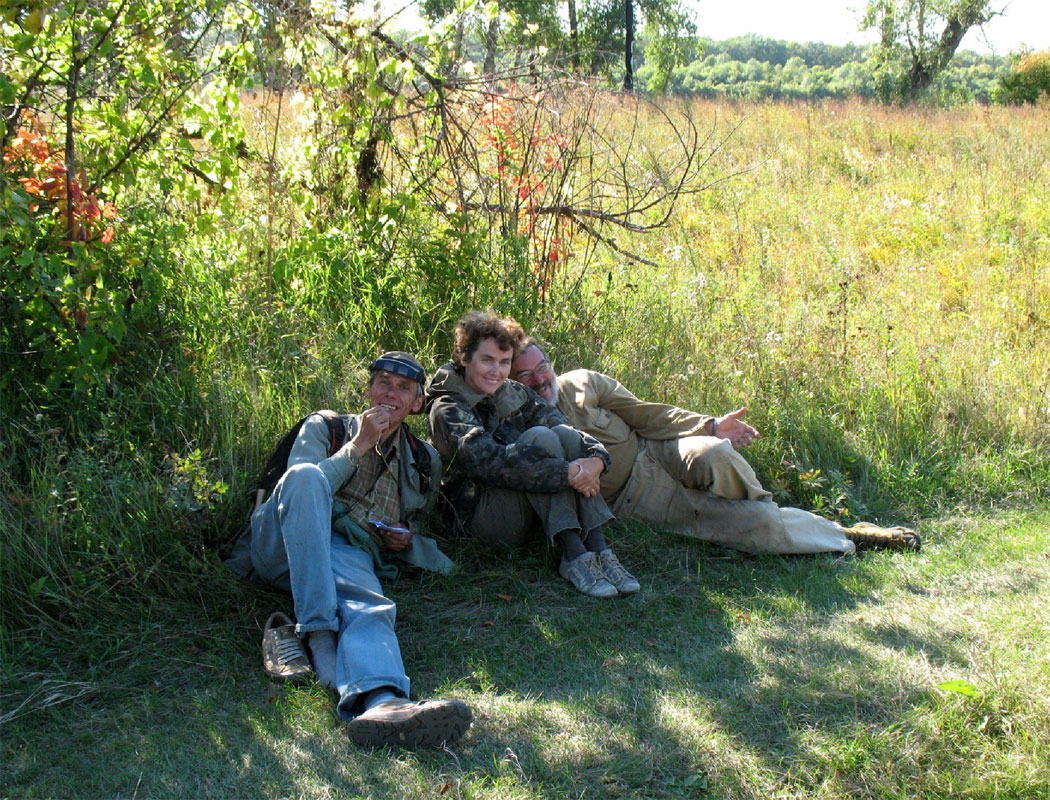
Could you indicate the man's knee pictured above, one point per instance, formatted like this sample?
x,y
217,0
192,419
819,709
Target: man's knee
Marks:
x,y
725,456
547,439
714,465
302,478
706,450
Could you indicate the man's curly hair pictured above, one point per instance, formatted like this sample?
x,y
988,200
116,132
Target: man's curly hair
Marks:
x,y
476,326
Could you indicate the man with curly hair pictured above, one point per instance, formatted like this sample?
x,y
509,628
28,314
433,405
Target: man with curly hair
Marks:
x,y
513,462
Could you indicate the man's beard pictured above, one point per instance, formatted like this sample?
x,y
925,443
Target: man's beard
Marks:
x,y
554,388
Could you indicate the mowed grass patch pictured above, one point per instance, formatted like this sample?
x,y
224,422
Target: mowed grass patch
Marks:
x,y
727,676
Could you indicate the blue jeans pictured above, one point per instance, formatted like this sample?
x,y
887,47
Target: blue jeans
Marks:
x,y
333,585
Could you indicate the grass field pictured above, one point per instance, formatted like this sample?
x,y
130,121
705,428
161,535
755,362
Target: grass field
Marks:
x,y
728,676
873,282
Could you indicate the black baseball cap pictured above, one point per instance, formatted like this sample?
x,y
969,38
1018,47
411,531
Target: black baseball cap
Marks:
x,y
400,363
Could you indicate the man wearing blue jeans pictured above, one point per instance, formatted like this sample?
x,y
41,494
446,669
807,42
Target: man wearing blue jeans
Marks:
x,y
323,535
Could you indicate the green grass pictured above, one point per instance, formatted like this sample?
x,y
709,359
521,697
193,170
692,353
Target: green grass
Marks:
x,y
872,281
728,676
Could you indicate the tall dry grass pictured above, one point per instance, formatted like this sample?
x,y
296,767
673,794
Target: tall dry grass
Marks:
x,y
874,282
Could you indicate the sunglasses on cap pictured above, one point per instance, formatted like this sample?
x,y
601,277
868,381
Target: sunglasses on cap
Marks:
x,y
399,365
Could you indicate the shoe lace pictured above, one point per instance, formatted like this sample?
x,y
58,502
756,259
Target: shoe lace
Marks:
x,y
289,649
588,570
614,570
597,570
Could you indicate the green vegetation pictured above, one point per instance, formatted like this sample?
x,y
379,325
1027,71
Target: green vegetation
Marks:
x,y
210,221
755,68
1029,81
613,42
918,39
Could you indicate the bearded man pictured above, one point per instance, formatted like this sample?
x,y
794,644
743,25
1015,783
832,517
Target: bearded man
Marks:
x,y
676,469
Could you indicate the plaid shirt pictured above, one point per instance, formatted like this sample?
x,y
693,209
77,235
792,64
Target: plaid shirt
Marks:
x,y
372,492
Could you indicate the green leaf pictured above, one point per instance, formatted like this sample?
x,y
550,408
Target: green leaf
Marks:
x,y
89,343
960,687
117,329
7,91
37,586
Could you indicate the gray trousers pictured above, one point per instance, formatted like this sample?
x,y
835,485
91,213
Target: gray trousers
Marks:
x,y
702,487
504,517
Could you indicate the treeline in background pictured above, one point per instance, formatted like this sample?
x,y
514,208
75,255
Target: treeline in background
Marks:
x,y
756,68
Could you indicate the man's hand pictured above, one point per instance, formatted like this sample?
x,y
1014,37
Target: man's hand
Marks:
x,y
585,475
395,540
733,428
375,421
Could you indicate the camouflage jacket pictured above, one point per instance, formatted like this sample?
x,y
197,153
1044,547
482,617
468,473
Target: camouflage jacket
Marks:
x,y
477,437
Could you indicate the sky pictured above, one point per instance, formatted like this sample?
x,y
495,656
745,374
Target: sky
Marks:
x,y
1026,23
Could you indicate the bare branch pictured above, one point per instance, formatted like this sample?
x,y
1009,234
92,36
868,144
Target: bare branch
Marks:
x,y
613,246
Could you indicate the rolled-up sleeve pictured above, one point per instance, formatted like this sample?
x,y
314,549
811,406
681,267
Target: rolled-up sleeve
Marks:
x,y
311,447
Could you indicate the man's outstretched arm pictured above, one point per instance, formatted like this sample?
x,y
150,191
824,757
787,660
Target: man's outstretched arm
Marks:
x,y
733,428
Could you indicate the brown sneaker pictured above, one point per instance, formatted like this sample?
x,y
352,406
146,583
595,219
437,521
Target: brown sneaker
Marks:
x,y
871,537
404,723
284,656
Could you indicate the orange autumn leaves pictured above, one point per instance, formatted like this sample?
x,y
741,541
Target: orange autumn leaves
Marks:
x,y
42,174
529,163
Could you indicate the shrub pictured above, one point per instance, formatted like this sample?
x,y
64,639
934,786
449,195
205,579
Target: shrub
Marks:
x,y
1028,80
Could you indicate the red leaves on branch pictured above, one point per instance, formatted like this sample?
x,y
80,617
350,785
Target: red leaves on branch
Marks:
x,y
528,163
42,174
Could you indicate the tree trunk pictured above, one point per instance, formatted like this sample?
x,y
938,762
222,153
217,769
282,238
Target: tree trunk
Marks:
x,y
491,38
72,88
628,49
574,37
457,39
927,65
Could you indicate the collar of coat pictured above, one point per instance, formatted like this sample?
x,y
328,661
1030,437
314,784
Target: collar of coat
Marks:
x,y
449,380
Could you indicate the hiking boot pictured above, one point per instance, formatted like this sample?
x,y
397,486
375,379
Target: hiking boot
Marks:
x,y
871,537
284,656
428,723
586,575
614,572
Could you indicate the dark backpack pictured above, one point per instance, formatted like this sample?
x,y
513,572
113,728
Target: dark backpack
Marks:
x,y
235,552
421,456
277,464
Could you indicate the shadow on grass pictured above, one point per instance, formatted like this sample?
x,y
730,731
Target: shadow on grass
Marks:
x,y
185,710
636,696
946,648
622,671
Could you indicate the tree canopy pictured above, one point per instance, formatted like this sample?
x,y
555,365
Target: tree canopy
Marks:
x,y
920,37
